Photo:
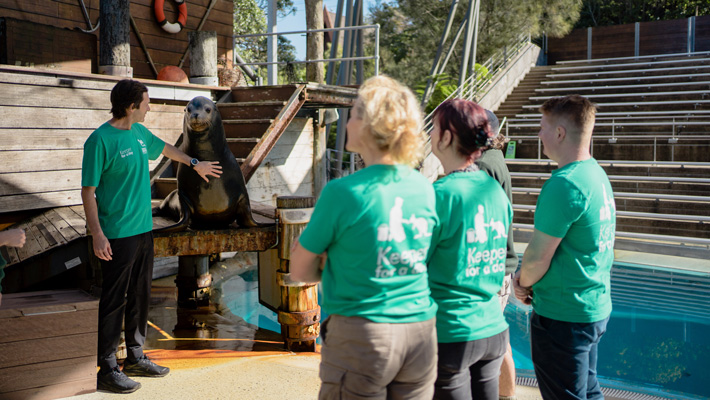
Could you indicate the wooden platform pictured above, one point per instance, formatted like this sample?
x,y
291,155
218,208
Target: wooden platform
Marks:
x,y
60,226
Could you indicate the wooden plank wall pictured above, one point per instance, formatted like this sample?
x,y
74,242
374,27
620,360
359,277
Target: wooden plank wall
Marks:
x,y
702,33
613,41
48,46
663,37
656,37
165,48
571,47
44,120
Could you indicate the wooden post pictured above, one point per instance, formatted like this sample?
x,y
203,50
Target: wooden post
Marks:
x,y
193,281
314,41
299,313
114,38
203,57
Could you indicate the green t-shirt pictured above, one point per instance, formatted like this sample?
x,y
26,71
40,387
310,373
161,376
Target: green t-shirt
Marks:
x,y
577,205
376,225
493,162
467,262
116,163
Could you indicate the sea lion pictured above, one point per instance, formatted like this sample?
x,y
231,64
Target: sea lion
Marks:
x,y
219,202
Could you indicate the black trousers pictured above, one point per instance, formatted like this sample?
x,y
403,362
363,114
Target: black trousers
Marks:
x,y
125,292
470,370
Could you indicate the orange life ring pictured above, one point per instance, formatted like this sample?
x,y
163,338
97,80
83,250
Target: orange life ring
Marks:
x,y
170,27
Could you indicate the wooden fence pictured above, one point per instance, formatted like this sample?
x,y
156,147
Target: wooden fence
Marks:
x,y
630,40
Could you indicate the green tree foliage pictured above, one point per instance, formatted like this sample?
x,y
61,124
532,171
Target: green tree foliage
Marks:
x,y
618,12
250,18
411,30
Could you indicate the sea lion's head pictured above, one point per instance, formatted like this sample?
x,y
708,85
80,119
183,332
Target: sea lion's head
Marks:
x,y
201,114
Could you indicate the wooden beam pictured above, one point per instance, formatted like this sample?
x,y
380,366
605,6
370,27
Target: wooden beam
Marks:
x,y
213,242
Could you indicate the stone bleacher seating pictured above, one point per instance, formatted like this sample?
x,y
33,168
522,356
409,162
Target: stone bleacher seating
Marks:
x,y
652,136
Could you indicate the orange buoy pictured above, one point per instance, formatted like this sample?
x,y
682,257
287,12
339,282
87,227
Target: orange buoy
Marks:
x,y
170,27
173,74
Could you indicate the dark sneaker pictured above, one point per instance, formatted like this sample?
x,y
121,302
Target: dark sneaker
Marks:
x,y
144,367
116,381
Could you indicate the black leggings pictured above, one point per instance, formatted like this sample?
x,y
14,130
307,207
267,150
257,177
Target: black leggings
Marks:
x,y
470,369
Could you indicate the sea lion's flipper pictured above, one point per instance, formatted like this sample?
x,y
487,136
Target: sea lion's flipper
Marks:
x,y
178,207
244,217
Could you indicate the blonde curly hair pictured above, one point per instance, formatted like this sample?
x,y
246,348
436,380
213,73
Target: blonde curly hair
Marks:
x,y
391,115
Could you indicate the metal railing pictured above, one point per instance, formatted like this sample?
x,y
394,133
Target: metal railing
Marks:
x,y
375,57
475,87
351,163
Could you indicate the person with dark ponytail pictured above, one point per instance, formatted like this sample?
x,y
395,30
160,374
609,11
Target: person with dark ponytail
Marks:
x,y
467,261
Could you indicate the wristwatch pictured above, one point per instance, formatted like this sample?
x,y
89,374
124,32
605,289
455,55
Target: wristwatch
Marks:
x,y
194,162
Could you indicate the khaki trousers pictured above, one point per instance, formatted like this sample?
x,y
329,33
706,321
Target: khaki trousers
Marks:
x,y
361,359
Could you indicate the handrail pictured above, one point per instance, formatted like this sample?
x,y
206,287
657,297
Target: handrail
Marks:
x,y
615,87
631,114
679,164
645,236
651,63
672,179
696,67
472,86
646,94
638,103
636,57
633,195
676,217
626,78
375,57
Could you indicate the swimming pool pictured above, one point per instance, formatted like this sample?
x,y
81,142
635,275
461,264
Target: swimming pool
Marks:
x,y
657,340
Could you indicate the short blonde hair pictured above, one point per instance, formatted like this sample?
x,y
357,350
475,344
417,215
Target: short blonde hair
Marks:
x,y
391,116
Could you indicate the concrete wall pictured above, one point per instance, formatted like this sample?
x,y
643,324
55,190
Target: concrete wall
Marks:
x,y
506,82
288,169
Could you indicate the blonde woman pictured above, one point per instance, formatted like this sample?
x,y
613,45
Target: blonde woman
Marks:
x,y
373,231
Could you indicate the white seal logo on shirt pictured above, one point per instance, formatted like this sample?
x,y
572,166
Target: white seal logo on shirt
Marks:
x,y
478,233
489,260
607,232
391,262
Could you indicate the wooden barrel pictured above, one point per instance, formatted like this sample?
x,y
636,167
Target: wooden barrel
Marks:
x,y
299,313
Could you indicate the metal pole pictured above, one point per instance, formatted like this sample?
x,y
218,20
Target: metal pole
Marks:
x,y
467,41
346,51
360,76
637,38
272,70
437,59
475,38
334,45
377,50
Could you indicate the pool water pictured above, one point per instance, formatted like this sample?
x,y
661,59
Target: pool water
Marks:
x,y
657,340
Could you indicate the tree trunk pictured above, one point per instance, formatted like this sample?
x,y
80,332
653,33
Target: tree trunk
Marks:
x,y
114,38
314,42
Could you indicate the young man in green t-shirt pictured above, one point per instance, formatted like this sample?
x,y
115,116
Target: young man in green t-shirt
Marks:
x,y
115,181
565,272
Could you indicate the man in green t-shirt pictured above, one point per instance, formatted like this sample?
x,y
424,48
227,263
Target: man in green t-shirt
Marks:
x,y
565,272
115,181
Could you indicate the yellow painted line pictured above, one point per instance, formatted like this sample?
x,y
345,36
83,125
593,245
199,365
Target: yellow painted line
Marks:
x,y
218,340
161,331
